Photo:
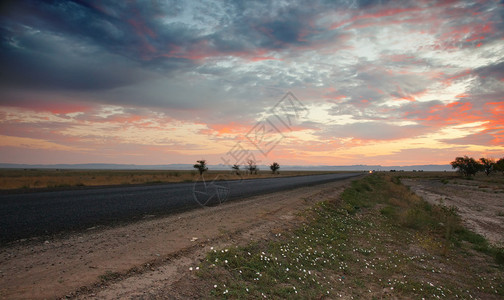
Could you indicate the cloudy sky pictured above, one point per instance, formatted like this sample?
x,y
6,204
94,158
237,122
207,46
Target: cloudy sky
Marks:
x,y
157,82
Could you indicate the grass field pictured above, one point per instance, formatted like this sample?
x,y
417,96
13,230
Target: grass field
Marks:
x,y
62,178
479,178
378,240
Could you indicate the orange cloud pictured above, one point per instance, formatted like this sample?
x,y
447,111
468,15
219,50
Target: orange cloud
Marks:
x,y
124,118
32,143
229,128
455,112
463,95
462,112
495,126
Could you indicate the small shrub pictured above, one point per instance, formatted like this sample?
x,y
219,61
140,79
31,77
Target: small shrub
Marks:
x,y
389,211
478,241
396,180
362,187
499,256
109,275
416,218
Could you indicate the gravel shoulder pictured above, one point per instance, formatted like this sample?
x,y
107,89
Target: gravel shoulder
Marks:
x,y
133,260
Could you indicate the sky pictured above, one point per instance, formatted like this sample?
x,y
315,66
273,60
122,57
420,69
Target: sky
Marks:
x,y
298,82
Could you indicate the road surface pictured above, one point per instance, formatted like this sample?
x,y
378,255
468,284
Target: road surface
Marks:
x,y
46,213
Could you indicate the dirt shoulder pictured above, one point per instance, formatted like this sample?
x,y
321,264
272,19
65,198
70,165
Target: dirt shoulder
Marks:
x,y
129,261
481,205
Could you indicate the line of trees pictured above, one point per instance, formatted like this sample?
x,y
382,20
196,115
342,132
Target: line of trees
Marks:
x,y
468,166
251,167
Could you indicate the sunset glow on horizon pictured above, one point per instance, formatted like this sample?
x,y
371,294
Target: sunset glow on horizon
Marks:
x,y
160,82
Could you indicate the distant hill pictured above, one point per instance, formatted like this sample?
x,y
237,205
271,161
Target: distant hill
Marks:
x,y
224,167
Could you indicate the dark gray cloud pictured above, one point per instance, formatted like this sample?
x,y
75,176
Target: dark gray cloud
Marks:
x,y
487,85
46,61
170,54
143,31
418,110
86,45
129,30
495,71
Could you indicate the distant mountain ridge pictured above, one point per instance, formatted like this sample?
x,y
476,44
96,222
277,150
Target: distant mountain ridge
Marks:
x,y
97,166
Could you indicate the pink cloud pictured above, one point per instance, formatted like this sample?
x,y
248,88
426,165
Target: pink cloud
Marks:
x,y
258,58
408,96
373,17
204,49
59,107
451,79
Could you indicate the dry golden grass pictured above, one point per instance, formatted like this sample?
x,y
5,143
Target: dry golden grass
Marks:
x,y
51,178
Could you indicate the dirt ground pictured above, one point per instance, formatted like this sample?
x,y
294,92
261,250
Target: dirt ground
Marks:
x,y
139,259
479,203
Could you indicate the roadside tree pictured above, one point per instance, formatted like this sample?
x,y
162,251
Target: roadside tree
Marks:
x,y
201,166
274,168
466,166
236,169
252,167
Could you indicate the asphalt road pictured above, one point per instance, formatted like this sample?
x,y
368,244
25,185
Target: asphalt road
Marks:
x,y
46,213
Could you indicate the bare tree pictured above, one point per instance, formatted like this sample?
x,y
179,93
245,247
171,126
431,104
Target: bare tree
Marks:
x,y
201,166
252,167
274,168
